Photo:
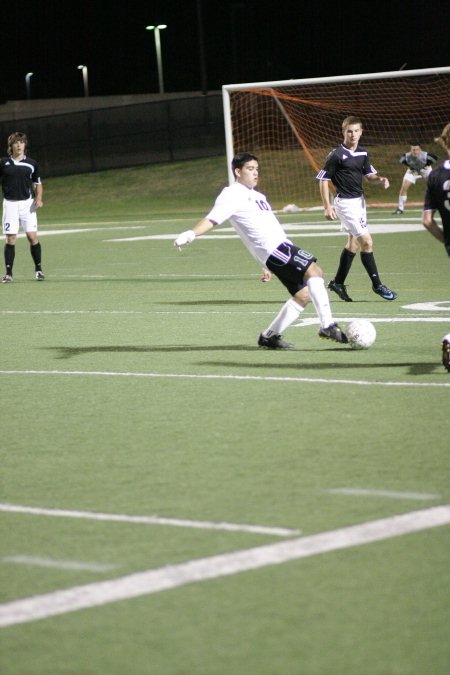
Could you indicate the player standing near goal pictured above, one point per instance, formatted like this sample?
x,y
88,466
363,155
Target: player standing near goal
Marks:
x,y
418,163
22,195
346,166
254,221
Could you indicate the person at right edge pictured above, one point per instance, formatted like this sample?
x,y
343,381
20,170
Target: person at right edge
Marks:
x,y
437,198
346,166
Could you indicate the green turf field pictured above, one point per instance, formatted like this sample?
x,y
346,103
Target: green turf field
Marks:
x,y
176,501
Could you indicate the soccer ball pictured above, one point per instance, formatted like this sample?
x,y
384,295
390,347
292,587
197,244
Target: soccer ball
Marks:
x,y
361,334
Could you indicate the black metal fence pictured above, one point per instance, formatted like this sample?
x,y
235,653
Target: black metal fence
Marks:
x,y
123,136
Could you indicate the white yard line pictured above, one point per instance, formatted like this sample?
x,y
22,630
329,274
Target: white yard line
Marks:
x,y
330,231
150,520
388,494
194,571
37,561
240,378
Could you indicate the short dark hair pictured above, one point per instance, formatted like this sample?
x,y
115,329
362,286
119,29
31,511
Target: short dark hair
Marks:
x,y
351,119
16,136
242,158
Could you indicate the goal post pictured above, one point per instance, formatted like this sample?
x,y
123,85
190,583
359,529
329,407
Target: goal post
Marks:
x,y
292,125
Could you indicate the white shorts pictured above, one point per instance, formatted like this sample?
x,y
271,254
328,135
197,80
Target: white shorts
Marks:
x,y
22,212
352,214
412,177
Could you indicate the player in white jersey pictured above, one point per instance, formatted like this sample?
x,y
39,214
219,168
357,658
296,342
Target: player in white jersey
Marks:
x,y
418,166
253,219
22,195
345,167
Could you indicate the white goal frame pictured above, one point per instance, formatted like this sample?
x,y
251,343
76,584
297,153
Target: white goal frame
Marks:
x,y
228,88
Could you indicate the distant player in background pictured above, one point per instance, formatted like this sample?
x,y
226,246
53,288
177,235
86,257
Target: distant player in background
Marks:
x,y
418,163
22,195
346,166
437,196
260,231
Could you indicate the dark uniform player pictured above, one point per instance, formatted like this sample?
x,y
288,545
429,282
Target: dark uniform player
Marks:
x,y
437,198
22,195
345,167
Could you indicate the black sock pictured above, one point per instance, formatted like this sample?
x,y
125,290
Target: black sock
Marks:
x,y
345,262
368,260
35,250
10,252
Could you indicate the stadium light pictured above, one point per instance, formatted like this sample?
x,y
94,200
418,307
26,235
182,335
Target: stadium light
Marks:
x,y
158,53
85,79
27,84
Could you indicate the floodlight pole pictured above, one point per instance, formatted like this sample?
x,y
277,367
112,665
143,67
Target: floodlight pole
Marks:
x,y
156,29
27,84
85,79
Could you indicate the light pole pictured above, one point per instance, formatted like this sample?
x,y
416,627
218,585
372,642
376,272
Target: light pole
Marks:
x,y
27,84
85,79
158,54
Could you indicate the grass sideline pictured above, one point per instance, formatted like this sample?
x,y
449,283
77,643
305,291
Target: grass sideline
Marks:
x,y
137,389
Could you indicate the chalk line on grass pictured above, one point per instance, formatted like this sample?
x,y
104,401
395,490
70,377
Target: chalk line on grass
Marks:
x,y
174,576
241,378
150,520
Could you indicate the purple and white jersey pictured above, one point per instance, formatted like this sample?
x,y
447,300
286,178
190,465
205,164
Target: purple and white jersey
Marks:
x,y
250,214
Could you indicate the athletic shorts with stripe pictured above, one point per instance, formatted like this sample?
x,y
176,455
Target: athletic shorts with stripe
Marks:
x,y
289,264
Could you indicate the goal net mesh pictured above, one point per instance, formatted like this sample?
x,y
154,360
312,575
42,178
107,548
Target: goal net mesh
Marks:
x,y
293,128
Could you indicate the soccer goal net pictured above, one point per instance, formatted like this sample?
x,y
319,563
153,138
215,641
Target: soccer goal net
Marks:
x,y
292,125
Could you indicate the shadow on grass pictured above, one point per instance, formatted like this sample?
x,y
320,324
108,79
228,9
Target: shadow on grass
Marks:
x,y
422,368
414,368
68,352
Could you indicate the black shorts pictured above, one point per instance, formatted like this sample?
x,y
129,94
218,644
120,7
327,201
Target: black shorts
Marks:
x,y
289,263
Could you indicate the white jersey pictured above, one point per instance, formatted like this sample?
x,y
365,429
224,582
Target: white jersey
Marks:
x,y
250,214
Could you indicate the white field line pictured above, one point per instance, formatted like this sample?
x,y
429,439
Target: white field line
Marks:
x,y
303,323
150,520
388,494
312,321
240,378
36,561
214,567
330,231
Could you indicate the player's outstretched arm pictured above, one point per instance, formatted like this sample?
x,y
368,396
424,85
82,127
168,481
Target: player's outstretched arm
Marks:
x,y
375,178
188,236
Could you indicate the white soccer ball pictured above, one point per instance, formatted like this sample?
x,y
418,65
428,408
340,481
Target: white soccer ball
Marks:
x,y
361,334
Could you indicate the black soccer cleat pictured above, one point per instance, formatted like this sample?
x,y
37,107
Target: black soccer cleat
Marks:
x,y
274,342
397,212
340,289
333,332
446,353
385,292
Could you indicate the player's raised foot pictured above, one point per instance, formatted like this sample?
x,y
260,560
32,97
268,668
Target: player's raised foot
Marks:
x,y
397,212
7,278
333,332
446,353
39,276
274,342
340,289
385,292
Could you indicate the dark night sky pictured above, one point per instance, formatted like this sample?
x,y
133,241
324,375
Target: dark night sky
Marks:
x,y
243,41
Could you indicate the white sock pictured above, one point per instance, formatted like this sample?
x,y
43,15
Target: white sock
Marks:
x,y
290,311
402,202
321,301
